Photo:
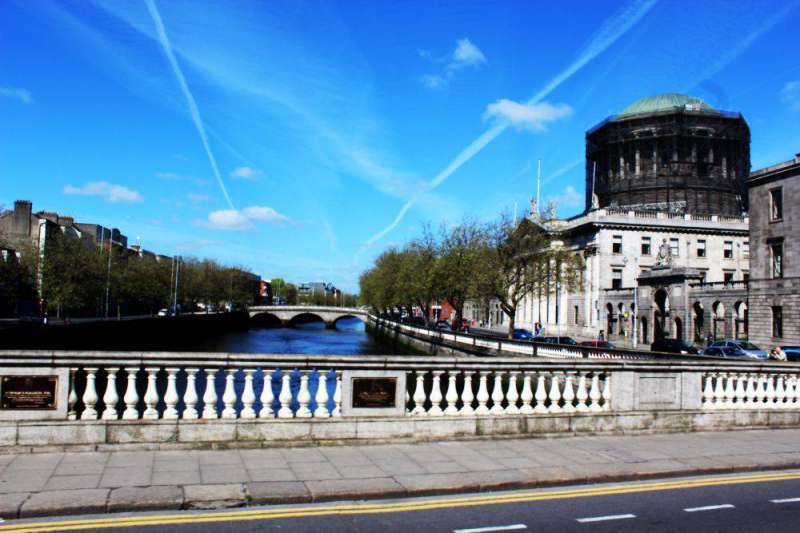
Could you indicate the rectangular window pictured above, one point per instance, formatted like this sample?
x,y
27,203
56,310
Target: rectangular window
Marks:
x,y
703,274
746,250
745,276
776,204
674,248
727,277
776,252
616,278
701,248
727,250
645,245
616,244
777,321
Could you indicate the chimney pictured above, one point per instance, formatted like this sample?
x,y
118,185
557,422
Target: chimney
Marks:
x,y
22,217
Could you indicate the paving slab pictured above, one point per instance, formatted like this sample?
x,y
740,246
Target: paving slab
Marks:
x,y
90,481
273,492
145,498
384,487
223,474
10,504
214,496
61,502
271,474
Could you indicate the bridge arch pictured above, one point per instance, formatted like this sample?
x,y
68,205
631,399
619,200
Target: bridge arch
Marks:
x,y
265,320
342,317
308,317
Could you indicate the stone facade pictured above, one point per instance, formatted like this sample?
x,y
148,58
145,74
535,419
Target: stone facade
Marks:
x,y
774,194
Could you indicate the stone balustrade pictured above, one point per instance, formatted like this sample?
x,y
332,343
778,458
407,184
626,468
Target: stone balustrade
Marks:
x,y
751,390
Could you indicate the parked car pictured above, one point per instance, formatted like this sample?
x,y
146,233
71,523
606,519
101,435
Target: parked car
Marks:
x,y
792,352
522,334
724,351
752,351
598,344
556,340
443,325
674,346
163,312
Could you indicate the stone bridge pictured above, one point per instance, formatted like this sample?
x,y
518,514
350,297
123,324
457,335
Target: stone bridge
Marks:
x,y
288,315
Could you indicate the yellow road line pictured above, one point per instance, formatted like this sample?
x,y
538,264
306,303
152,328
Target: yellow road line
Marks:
x,y
404,506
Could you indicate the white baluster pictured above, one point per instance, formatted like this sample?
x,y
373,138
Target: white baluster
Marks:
x,y
467,396
73,396
337,398
131,397
321,397
770,392
285,396
451,397
171,395
594,394
752,393
512,395
267,396
190,396
483,395
497,395
606,394
436,395
780,391
719,391
408,400
791,397
248,396
730,391
554,395
229,394
151,395
540,395
90,395
419,395
210,395
582,395
761,391
110,398
303,397
569,394
708,392
741,395
526,396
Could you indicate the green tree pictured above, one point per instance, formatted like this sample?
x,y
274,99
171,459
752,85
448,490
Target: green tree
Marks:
x,y
460,251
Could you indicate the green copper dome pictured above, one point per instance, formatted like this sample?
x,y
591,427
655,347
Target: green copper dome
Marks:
x,y
665,102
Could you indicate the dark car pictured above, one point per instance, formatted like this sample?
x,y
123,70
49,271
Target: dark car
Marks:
x,y
556,340
443,325
674,346
522,334
792,352
598,344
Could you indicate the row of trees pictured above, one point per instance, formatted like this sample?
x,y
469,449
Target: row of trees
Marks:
x,y
80,280
501,260
289,293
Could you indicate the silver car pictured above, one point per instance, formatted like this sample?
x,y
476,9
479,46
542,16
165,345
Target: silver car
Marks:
x,y
750,350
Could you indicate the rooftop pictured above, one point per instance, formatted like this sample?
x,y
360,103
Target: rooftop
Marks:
x,y
665,102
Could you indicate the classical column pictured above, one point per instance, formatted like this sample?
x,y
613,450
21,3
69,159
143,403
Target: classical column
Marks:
x,y
90,395
190,396
171,395
110,398
131,397
248,395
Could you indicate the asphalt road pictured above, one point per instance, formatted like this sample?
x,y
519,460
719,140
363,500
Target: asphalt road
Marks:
x,y
766,501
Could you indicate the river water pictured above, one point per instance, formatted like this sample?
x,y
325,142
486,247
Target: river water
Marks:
x,y
349,337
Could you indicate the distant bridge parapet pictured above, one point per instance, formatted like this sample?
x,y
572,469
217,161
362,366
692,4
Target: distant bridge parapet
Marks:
x,y
288,314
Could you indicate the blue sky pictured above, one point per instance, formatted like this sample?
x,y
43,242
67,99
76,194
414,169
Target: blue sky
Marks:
x,y
300,139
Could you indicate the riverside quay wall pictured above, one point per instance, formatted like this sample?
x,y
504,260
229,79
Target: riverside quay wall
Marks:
x,y
124,400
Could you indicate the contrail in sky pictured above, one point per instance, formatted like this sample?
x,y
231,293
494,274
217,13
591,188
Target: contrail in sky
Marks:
x,y
193,110
608,34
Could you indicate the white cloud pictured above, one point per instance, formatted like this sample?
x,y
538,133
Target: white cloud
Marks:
x,y
23,95
107,191
246,173
466,54
526,115
790,95
569,198
242,219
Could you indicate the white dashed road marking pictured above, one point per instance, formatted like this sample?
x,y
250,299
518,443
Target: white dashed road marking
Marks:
x,y
786,500
604,518
709,508
492,528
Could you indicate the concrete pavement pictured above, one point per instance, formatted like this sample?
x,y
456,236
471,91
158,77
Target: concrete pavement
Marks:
x,y
48,484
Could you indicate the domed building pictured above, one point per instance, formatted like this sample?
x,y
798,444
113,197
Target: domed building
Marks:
x,y
669,152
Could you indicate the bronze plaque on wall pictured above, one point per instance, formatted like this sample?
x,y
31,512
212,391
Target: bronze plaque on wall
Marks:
x,y
29,392
374,392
